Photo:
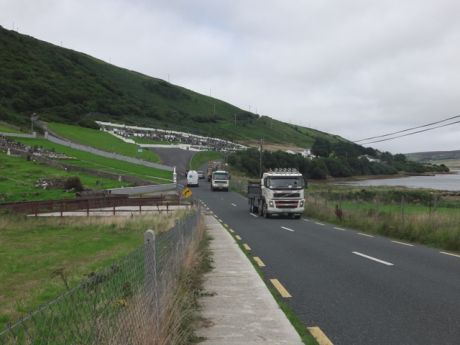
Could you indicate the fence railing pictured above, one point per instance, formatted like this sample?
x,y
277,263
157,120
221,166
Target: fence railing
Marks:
x,y
102,204
127,303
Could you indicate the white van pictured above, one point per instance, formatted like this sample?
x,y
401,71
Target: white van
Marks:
x,y
192,178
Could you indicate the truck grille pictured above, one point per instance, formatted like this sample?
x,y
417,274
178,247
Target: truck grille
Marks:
x,y
286,203
287,195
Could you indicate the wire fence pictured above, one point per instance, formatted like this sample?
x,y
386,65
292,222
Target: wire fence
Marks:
x,y
126,303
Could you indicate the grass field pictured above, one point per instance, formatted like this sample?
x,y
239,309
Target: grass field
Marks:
x,y
201,158
89,160
37,253
8,129
101,140
412,215
18,178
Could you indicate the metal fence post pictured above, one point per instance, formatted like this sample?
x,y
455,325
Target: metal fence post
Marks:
x,y
150,277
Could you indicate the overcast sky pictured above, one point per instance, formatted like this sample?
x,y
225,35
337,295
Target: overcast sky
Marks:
x,y
353,68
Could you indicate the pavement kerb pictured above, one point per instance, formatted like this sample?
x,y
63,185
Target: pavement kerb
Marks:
x,y
239,307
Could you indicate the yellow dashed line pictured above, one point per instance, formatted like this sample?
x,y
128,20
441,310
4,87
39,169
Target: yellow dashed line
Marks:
x,y
225,225
245,246
281,289
320,337
238,238
259,261
232,231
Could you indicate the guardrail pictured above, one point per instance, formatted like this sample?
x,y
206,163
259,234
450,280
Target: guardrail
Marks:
x,y
103,204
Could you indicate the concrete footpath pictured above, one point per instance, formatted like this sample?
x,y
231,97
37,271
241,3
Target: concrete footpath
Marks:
x,y
239,309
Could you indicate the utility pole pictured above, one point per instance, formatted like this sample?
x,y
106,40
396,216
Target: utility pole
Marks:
x,y
261,150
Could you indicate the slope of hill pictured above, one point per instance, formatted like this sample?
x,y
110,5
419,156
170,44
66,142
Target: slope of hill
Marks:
x,y
66,86
433,155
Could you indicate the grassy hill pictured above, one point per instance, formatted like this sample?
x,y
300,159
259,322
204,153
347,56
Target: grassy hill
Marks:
x,y
66,86
101,140
433,155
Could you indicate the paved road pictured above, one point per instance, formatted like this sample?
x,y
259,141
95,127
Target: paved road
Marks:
x,y
175,157
410,297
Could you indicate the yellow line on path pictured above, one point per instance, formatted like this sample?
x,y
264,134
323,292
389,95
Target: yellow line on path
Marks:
x,y
226,225
238,238
259,262
281,289
245,246
320,337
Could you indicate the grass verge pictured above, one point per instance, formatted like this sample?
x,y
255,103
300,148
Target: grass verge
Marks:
x,y
34,249
88,160
420,216
19,177
101,140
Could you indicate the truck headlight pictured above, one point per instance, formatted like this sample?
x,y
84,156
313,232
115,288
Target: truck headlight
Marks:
x,y
302,202
271,204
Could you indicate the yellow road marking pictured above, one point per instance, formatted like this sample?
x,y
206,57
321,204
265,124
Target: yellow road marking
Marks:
x,y
259,261
320,337
451,254
281,289
245,246
231,231
238,238
226,225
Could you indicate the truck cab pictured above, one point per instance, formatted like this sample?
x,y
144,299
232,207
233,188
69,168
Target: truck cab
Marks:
x,y
280,192
220,180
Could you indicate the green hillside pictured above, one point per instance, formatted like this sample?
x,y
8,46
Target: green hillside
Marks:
x,y
101,140
66,86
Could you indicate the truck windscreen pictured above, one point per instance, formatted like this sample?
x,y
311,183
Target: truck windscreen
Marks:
x,y
220,176
285,182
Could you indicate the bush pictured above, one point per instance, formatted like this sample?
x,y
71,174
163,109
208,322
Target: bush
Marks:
x,y
73,183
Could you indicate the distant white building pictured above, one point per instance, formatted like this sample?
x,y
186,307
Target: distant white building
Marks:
x,y
307,154
369,158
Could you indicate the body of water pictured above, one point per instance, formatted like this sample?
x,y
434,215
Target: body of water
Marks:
x,y
449,182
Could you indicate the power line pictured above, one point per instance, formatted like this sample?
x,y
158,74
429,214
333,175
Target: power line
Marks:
x,y
408,129
416,132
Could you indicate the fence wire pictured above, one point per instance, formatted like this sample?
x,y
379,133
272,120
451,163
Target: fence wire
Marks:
x,y
122,304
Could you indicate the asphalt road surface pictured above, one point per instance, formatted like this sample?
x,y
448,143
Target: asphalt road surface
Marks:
x,y
359,289
175,157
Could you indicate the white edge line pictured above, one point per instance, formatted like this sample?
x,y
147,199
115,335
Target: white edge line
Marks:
x,y
319,223
288,229
233,204
306,220
254,215
403,243
361,234
337,228
451,254
373,259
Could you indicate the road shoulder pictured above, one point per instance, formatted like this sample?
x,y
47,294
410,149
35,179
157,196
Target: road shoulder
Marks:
x,y
238,307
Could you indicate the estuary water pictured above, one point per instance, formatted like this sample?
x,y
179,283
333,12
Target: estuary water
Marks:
x,y
450,182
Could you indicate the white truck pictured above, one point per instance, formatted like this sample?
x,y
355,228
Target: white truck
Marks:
x,y
280,192
220,180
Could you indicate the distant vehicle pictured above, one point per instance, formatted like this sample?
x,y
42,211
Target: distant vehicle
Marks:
x,y
213,166
220,180
192,178
279,191
200,174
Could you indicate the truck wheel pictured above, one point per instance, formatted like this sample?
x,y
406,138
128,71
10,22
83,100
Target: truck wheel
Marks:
x,y
260,209
265,211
